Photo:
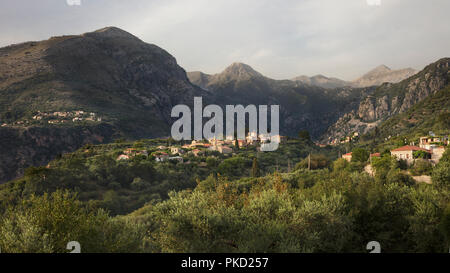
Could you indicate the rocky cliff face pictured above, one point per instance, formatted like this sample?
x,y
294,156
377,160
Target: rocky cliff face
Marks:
x,y
391,99
36,146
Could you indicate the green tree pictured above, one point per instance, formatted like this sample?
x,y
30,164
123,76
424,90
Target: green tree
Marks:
x,y
441,175
316,161
47,223
340,165
421,167
255,168
360,155
304,134
420,154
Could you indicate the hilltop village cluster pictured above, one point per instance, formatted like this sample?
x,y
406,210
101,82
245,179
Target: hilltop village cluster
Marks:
x,y
354,137
58,118
198,148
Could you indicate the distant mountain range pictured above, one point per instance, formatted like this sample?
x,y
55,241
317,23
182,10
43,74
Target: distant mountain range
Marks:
x,y
60,94
322,81
302,106
375,77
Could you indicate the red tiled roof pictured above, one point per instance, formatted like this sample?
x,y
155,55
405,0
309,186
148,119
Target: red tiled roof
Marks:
x,y
375,155
349,153
410,148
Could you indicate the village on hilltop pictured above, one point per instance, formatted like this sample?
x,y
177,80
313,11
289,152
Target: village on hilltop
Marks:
x,y
59,117
197,148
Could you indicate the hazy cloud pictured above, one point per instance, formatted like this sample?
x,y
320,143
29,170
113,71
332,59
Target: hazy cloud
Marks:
x,y
281,39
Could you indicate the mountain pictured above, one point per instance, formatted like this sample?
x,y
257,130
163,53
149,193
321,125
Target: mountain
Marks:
x,y
382,74
199,78
59,94
322,81
302,106
390,99
430,114
375,77
238,72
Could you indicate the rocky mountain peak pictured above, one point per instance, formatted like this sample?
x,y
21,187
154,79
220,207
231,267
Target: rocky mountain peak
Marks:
x,y
320,76
381,68
111,32
382,74
240,71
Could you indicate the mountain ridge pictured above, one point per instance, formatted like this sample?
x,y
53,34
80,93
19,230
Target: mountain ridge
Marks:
x,y
104,83
374,77
302,106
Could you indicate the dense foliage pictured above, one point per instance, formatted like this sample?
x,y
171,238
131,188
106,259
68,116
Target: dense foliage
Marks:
x,y
122,186
333,209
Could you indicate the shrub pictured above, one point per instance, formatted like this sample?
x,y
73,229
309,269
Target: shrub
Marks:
x,y
397,176
45,224
421,167
441,174
360,155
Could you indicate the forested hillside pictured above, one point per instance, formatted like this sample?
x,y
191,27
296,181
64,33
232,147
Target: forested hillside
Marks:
x,y
331,208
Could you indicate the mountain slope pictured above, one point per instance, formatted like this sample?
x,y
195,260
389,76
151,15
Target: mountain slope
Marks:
x,y
431,114
108,82
391,99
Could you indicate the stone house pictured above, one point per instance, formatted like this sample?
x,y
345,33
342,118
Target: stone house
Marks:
x,y
224,149
160,157
436,154
176,150
123,157
407,153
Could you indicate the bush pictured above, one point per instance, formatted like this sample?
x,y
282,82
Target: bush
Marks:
x,y
47,223
360,155
340,165
441,174
421,167
318,161
397,176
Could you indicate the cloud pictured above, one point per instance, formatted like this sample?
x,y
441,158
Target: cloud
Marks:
x,y
281,39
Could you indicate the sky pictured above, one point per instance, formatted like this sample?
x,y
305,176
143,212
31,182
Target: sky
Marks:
x,y
281,39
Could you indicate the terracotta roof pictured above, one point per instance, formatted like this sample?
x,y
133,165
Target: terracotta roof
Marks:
x,y
375,155
348,153
410,148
